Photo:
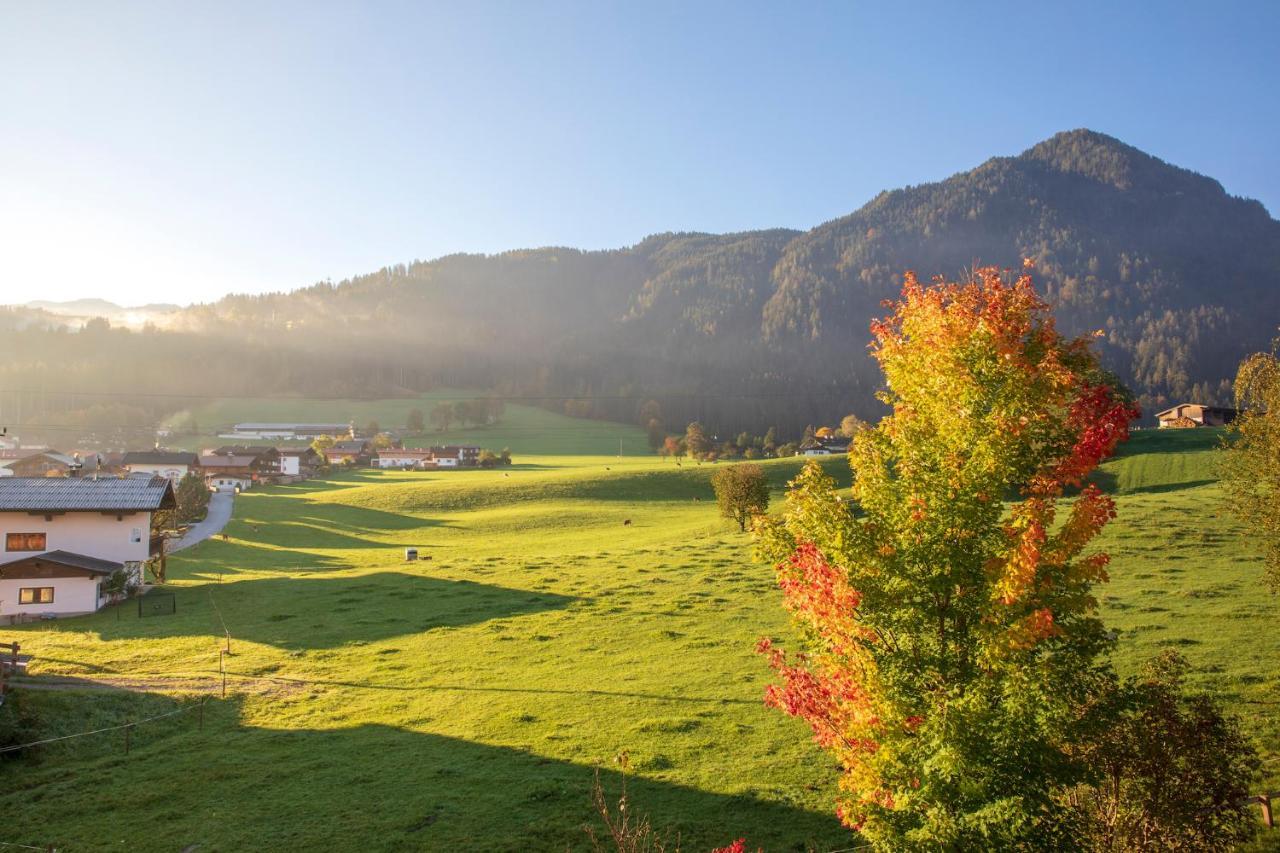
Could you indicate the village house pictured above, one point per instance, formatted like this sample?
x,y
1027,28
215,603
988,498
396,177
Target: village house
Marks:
x,y
455,456
43,463
63,537
824,446
1188,415
228,473
266,459
404,459
299,461
170,465
354,452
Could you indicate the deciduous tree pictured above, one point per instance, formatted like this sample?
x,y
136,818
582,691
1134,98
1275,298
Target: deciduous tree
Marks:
x,y
1251,460
950,637
696,442
742,492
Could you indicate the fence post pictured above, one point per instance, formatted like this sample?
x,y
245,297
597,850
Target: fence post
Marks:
x,y
201,714
222,666
1265,802
127,729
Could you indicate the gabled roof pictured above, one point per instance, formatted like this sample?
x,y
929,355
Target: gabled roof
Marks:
x,y
1221,410
72,494
245,450
71,560
350,446
158,457
216,461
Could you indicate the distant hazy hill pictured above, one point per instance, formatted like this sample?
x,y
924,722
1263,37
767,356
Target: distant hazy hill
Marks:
x,y
89,308
771,326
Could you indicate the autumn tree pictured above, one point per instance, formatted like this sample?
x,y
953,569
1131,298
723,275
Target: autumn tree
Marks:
x,y
949,629
742,492
321,443
696,442
1251,460
849,425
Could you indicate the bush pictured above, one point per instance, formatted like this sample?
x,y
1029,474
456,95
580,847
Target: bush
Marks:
x,y
1172,769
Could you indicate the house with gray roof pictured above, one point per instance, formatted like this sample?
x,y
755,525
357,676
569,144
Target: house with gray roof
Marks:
x,y
61,537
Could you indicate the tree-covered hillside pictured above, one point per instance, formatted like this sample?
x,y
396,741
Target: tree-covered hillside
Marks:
x,y
744,330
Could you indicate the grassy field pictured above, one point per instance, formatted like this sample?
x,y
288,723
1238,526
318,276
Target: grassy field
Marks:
x,y
525,429
464,702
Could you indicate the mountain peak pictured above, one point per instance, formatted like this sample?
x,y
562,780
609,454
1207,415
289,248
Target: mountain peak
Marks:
x,y
1107,160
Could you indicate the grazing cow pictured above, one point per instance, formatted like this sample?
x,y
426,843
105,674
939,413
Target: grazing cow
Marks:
x,y
626,523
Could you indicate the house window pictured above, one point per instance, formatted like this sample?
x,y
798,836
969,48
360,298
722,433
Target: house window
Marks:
x,y
24,542
35,595
136,536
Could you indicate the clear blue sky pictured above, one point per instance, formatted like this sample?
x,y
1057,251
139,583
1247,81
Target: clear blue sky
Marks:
x,y
176,151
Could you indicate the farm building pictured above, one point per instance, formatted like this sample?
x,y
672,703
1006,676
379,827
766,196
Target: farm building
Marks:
x,y
63,536
1187,415
287,431
170,465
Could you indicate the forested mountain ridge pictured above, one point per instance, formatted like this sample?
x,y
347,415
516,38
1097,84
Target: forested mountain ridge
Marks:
x,y
770,327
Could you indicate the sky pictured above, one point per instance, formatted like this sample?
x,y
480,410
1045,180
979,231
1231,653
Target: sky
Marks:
x,y
178,151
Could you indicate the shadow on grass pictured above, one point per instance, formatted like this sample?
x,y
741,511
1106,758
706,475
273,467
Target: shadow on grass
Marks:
x,y
215,557
371,786
309,613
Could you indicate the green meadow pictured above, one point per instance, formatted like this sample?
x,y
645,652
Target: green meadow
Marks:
x,y
523,428
464,701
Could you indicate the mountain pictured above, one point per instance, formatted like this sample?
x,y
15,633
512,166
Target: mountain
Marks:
x,y
87,309
770,327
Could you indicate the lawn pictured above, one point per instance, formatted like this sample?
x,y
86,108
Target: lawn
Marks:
x,y
463,702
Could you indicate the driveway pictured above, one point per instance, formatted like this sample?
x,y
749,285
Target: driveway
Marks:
x,y
216,519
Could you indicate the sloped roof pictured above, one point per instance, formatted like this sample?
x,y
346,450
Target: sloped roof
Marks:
x,y
80,494
71,560
216,461
158,457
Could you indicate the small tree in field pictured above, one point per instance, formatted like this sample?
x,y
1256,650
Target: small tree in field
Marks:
x,y
742,492
951,638
1251,462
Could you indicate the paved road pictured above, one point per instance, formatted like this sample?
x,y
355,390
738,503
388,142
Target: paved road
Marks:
x,y
217,518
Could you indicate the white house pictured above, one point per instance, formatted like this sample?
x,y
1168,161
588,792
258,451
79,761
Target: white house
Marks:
x,y
161,463
454,456
61,537
404,458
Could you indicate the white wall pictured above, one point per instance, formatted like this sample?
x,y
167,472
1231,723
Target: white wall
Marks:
x,y
70,595
90,533
290,465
